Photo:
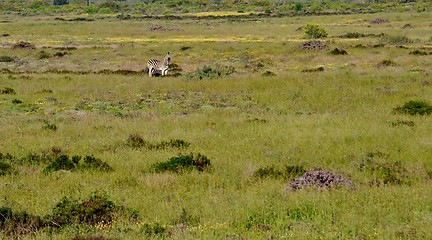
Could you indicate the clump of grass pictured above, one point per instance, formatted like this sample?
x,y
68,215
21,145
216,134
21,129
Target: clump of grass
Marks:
x,y
399,123
386,63
271,172
182,163
13,224
137,142
395,39
63,162
153,229
7,90
16,101
91,237
6,58
5,168
338,51
209,72
95,210
318,69
268,74
60,54
302,213
419,53
383,171
414,108
49,126
43,55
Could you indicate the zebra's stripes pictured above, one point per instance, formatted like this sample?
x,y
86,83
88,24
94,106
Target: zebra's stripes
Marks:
x,y
158,67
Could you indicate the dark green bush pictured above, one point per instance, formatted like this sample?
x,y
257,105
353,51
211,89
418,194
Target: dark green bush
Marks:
x,y
6,59
414,108
182,163
338,51
7,90
60,2
208,72
419,53
97,209
135,141
5,168
16,101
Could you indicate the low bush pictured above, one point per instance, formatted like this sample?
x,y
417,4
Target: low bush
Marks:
x,y
268,74
95,210
7,90
16,101
383,171
386,63
49,126
182,163
419,53
43,55
6,59
5,168
414,108
209,72
314,31
395,39
318,69
399,123
338,51
136,141
13,224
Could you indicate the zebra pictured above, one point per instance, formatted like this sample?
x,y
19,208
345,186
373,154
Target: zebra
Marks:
x,y
158,67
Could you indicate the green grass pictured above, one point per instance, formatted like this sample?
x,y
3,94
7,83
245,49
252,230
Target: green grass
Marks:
x,y
343,119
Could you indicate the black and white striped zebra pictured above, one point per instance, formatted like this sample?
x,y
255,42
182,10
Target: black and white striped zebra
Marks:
x,y
158,67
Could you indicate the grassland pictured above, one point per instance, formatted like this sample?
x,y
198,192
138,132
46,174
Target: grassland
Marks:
x,y
341,119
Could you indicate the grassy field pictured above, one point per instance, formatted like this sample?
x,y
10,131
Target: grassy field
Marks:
x,y
283,106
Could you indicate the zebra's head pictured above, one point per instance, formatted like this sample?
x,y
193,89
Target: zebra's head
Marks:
x,y
167,58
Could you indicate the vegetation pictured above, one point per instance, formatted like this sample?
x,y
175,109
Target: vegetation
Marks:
x,y
283,139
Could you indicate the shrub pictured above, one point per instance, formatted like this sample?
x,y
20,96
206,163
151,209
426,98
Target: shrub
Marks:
x,y
7,90
418,53
5,168
414,108
338,51
155,229
14,224
320,179
60,2
315,31
268,74
97,209
182,163
399,123
318,69
386,63
49,126
383,172
16,101
395,39
6,59
43,55
135,141
211,72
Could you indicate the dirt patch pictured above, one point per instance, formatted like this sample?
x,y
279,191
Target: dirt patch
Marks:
x,y
314,45
320,179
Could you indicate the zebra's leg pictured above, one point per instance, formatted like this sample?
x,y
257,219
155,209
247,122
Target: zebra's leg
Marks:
x,y
150,72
